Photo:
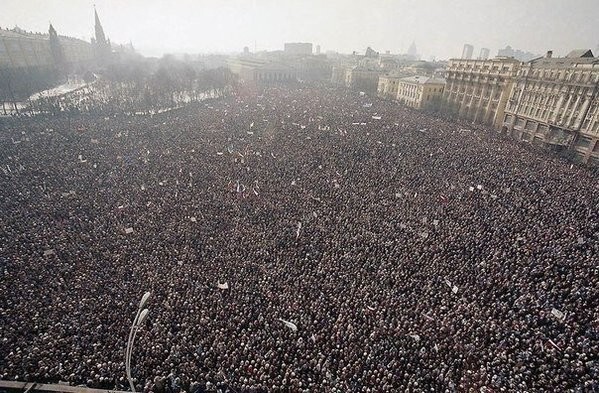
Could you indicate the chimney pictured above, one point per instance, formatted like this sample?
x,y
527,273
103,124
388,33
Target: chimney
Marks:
x,y
549,54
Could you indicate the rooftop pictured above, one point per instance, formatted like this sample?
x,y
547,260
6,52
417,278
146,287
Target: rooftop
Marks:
x,y
423,80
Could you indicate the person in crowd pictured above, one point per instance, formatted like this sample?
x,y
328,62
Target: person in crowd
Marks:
x,y
299,239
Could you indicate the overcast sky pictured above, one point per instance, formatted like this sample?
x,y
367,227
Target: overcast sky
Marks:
x,y
439,27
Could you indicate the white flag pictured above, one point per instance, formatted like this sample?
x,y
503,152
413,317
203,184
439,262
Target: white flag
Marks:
x,y
558,314
128,230
224,285
49,252
299,228
416,337
290,325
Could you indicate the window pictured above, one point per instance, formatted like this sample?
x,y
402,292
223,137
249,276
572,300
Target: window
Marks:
x,y
584,142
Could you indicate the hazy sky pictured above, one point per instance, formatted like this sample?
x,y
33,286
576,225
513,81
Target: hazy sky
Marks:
x,y
439,27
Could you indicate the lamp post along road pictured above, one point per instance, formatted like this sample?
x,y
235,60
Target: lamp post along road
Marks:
x,y
139,319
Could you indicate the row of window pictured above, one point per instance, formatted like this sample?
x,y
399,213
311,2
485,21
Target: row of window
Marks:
x,y
563,75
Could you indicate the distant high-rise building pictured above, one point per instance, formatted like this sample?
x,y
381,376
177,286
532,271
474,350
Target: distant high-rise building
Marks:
x,y
508,51
484,53
412,51
467,52
298,48
246,50
317,49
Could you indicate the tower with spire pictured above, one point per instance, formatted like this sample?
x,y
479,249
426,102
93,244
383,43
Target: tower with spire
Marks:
x,y
57,51
102,49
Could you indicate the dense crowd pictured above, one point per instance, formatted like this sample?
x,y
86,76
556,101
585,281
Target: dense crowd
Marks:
x,y
365,247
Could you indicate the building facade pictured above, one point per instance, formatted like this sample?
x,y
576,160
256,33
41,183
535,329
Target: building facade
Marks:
x,y
338,75
298,48
484,54
467,52
517,54
555,103
478,90
257,71
362,79
420,92
23,50
388,85
31,62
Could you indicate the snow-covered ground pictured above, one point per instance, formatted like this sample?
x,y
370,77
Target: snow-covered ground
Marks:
x,y
65,88
58,90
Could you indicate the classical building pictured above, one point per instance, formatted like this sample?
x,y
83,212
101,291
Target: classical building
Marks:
x,y
298,48
478,90
257,71
19,49
388,85
420,92
362,79
388,62
31,62
338,75
310,68
555,103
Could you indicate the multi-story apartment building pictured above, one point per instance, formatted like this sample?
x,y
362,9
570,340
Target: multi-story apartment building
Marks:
x,y
362,78
555,103
338,75
420,92
388,84
467,52
478,90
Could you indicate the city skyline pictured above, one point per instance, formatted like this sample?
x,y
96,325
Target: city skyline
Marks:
x,y
202,27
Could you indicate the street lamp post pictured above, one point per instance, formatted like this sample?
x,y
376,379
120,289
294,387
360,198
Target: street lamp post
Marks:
x,y
139,318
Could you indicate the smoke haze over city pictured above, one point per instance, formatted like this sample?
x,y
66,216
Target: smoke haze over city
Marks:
x,y
439,28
